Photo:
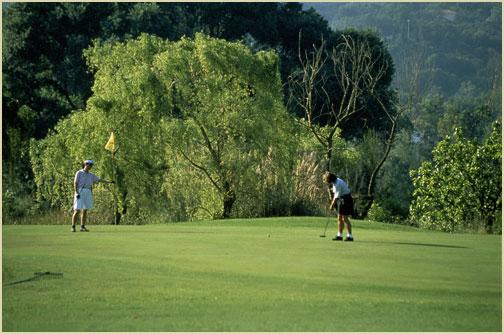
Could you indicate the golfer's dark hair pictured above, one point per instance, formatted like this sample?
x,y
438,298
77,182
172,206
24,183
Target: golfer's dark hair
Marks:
x,y
329,177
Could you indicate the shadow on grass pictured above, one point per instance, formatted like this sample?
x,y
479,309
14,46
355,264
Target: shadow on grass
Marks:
x,y
36,276
413,244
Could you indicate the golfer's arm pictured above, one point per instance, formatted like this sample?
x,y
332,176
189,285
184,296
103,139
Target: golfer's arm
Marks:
x,y
333,203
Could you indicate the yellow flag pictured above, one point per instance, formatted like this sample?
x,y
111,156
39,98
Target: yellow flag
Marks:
x,y
111,144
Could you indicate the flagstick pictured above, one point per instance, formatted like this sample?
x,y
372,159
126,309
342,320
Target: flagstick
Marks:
x,y
114,192
111,146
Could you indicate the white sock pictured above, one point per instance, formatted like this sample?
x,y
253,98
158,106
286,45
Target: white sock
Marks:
x,y
349,235
339,234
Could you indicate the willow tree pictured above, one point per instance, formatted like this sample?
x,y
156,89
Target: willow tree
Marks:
x,y
125,99
213,105
228,116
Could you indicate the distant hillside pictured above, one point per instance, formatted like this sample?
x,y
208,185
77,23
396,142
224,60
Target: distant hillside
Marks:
x,y
443,44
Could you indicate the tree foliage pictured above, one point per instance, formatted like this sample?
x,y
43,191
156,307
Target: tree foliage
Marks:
x,y
229,115
461,187
45,73
338,82
183,159
196,121
448,75
45,76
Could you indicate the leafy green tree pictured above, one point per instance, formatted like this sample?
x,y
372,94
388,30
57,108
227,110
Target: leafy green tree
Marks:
x,y
228,109
204,115
487,168
45,73
461,187
425,123
124,96
45,76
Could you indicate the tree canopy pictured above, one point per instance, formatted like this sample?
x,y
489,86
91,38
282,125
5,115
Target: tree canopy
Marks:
x,y
209,85
210,112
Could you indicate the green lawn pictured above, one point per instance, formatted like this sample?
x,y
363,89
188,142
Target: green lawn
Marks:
x,y
230,276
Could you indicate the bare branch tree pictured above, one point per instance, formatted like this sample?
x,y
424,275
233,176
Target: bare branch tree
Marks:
x,y
353,67
357,72
393,113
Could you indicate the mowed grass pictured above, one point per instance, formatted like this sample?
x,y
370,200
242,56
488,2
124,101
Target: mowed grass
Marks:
x,y
230,276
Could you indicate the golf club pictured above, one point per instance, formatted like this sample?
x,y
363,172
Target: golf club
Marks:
x,y
327,223
329,218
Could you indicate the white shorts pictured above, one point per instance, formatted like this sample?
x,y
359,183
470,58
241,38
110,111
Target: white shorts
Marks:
x,y
85,201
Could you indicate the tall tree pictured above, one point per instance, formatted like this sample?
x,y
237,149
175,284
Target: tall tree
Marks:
x,y
332,86
45,76
230,107
43,43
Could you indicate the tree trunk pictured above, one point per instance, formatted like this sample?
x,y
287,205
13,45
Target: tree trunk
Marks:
x,y
489,224
119,213
374,174
489,218
362,204
229,199
117,218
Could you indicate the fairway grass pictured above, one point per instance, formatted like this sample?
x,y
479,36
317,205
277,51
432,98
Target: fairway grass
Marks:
x,y
231,276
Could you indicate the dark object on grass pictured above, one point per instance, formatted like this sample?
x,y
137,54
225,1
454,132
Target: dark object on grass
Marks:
x,y
37,275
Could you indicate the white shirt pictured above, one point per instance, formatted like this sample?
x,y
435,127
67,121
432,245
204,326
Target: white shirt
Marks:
x,y
85,179
340,188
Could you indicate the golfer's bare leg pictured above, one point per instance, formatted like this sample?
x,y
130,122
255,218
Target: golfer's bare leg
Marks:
x,y
83,217
348,225
74,217
341,224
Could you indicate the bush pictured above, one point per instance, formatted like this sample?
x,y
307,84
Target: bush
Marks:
x,y
498,222
461,188
17,200
380,214
304,208
15,206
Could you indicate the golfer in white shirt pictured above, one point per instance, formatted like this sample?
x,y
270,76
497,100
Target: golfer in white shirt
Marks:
x,y
83,199
342,198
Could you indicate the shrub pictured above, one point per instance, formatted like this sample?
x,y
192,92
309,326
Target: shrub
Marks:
x,y
461,188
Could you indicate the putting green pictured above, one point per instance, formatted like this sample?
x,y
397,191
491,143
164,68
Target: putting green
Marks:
x,y
230,276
